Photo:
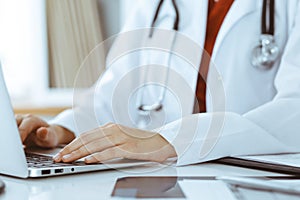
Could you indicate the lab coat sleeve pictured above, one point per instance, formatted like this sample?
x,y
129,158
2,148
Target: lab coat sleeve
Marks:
x,y
75,120
80,118
271,128
66,120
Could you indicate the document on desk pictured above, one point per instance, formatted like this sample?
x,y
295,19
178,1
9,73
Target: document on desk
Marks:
x,y
282,163
292,159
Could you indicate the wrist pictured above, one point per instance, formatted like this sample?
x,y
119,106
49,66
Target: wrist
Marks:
x,y
64,136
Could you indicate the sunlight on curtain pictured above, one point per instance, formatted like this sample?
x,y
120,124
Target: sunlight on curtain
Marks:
x,y
74,30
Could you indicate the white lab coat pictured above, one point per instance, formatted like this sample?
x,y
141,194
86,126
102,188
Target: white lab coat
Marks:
x,y
259,111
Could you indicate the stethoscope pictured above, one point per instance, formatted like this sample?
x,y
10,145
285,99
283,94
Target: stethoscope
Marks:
x,y
158,105
264,55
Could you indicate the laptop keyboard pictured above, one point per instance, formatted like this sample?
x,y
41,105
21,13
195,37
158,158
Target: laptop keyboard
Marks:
x,y
40,161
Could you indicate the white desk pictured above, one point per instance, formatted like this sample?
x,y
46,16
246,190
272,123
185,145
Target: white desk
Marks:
x,y
99,185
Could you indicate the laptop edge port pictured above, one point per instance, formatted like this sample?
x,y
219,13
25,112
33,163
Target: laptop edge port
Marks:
x,y
46,172
57,171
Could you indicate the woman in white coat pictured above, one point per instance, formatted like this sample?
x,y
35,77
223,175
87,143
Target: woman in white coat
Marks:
x,y
258,113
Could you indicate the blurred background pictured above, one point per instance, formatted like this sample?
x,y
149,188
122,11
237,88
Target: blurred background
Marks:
x,y
44,42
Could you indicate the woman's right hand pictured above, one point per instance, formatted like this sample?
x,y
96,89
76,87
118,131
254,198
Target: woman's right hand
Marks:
x,y
36,132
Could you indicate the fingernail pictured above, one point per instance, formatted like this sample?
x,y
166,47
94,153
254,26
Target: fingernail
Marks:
x,y
43,135
56,157
66,157
88,159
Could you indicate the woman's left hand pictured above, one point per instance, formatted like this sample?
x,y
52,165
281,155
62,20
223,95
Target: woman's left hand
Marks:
x,y
116,141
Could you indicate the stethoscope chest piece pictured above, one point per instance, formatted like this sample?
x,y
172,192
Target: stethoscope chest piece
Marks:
x,y
266,53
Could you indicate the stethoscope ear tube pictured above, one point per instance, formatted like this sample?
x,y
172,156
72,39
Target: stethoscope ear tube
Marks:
x,y
176,22
155,18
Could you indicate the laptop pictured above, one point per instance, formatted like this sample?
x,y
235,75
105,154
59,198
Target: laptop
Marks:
x,y
16,162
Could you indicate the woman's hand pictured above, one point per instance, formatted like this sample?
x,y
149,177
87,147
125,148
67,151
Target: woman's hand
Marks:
x,y
36,132
116,141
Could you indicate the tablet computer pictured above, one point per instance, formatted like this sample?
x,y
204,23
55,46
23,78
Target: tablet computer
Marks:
x,y
164,187
147,187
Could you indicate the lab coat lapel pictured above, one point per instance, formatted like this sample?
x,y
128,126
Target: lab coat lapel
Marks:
x,y
238,10
203,19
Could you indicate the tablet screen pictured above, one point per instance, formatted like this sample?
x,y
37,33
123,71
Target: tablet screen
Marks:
x,y
148,187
